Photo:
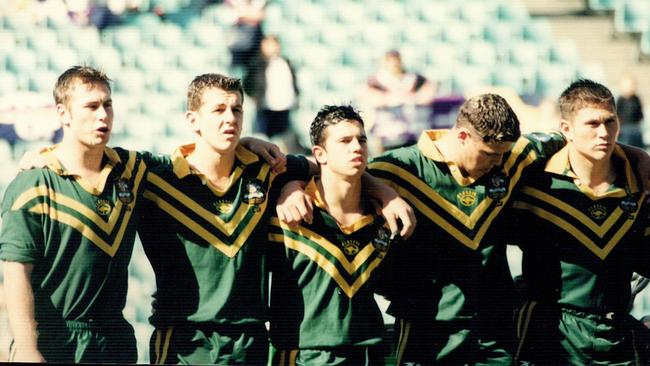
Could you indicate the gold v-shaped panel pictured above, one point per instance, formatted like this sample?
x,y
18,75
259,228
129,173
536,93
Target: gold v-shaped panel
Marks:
x,y
107,226
351,267
469,221
599,230
227,228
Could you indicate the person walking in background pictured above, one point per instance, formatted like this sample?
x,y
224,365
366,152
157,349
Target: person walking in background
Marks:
x,y
271,82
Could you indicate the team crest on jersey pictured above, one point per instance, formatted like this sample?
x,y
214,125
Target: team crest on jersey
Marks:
x,y
103,207
254,193
223,206
597,211
124,193
629,206
498,186
382,241
466,197
350,247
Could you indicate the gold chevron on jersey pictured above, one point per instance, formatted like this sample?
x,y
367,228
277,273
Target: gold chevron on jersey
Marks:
x,y
105,233
227,233
469,229
350,274
600,236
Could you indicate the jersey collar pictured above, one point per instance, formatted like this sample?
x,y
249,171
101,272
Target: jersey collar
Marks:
x,y
559,164
182,167
430,150
110,160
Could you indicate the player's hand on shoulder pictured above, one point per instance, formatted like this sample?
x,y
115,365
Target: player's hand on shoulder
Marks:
x,y
294,205
31,160
270,152
399,215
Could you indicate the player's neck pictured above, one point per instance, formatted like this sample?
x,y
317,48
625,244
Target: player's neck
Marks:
x,y
342,197
214,165
79,159
598,175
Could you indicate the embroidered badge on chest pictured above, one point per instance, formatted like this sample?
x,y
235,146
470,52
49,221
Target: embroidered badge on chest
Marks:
x,y
124,193
382,241
629,206
103,207
497,186
466,197
254,194
597,212
350,247
223,206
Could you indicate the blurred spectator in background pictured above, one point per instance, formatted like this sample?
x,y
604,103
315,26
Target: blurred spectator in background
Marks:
x,y
271,82
246,32
630,112
400,101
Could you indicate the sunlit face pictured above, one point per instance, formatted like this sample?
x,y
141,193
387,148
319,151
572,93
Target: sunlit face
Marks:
x,y
218,122
344,150
477,157
87,117
592,132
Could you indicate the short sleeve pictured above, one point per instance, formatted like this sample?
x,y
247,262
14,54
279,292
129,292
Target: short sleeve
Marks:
x,y
21,236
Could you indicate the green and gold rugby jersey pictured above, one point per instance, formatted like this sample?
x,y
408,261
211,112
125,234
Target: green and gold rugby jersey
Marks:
x,y
79,237
580,249
321,291
207,247
453,244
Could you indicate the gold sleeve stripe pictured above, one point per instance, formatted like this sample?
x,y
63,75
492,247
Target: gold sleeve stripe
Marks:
x,y
404,332
226,227
156,346
600,230
522,329
229,250
165,349
577,234
75,223
647,232
334,250
293,356
328,266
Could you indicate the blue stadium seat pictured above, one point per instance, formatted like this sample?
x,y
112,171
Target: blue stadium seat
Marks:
x,y
130,81
22,61
466,78
108,59
443,55
499,33
565,52
168,36
632,16
42,40
539,31
478,11
62,58
126,38
644,45
42,81
602,5
392,12
513,11
553,78
85,40
151,59
420,33
175,81
481,53
8,86
350,12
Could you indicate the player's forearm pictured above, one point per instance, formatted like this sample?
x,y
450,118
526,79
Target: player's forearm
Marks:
x,y
20,304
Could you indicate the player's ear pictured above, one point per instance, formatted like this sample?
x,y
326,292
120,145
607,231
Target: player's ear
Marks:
x,y
567,129
320,154
191,118
63,114
463,135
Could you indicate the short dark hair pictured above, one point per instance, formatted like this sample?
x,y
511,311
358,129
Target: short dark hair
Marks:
x,y
330,115
82,74
207,81
491,116
584,93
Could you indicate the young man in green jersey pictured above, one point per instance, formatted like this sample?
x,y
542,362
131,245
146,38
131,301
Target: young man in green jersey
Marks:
x,y
322,304
205,231
586,233
449,285
67,236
